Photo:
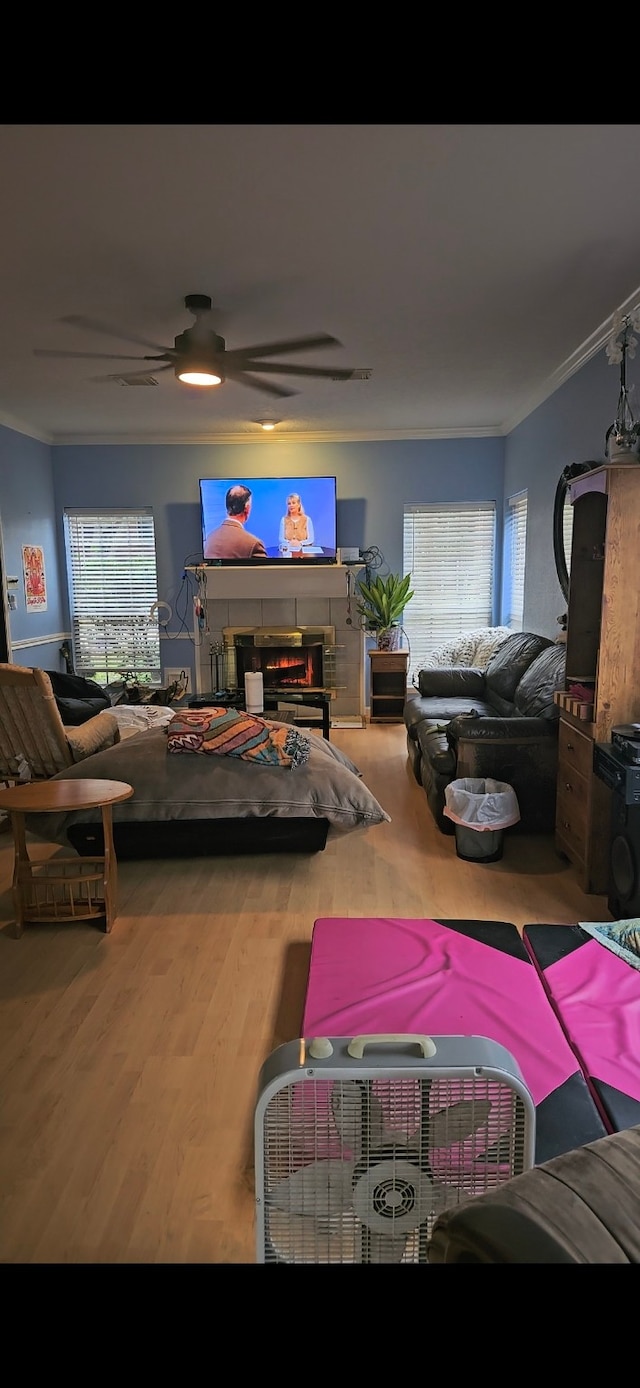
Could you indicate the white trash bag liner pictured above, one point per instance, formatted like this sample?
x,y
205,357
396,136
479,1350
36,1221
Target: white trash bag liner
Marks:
x,y
481,804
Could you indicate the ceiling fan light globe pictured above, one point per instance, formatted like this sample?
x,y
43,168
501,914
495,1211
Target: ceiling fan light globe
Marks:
x,y
191,376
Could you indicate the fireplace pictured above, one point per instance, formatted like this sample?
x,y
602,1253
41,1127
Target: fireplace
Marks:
x,y
300,658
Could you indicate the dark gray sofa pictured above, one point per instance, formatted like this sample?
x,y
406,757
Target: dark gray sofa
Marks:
x,y
78,699
500,722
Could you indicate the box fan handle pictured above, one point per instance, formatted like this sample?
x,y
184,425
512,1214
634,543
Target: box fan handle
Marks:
x,y
358,1044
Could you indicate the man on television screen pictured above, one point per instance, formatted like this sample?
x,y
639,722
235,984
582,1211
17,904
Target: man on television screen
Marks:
x,y
230,540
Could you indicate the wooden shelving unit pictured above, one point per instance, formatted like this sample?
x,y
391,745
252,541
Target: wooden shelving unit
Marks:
x,y
603,654
388,685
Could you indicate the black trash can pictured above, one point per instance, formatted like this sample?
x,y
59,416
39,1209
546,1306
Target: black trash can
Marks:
x,y
486,845
481,810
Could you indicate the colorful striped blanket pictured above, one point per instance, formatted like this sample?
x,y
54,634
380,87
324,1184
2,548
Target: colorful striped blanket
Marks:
x,y
231,732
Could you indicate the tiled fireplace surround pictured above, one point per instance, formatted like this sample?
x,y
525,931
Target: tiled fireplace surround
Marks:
x,y
288,596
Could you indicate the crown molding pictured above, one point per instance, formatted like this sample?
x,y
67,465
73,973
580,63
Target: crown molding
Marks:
x,y
588,349
306,436
19,427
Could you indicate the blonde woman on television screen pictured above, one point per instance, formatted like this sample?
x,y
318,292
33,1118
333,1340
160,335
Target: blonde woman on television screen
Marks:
x,y
296,527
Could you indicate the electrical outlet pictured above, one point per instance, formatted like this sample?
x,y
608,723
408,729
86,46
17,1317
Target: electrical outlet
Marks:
x,y
183,675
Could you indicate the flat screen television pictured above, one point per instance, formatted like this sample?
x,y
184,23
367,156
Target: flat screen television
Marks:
x,y
268,520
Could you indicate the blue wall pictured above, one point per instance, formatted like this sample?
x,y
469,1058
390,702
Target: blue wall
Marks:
x,y
570,427
28,517
374,480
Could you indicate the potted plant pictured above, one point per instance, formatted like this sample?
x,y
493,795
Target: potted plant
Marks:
x,y
381,602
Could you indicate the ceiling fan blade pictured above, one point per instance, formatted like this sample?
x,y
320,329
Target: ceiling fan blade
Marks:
x,y
276,349
132,377
331,373
77,321
87,356
266,387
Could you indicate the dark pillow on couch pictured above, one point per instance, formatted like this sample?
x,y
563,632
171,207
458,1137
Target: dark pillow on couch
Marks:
x,y
534,695
506,668
78,699
444,680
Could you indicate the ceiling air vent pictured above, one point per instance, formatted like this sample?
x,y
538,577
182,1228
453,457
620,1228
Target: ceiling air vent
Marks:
x,y
359,374
135,380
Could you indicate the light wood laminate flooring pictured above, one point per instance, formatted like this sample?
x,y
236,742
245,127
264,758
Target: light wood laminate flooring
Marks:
x,y
129,1062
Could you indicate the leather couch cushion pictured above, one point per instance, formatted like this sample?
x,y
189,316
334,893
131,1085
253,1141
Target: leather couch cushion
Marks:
x,y
534,695
443,709
508,665
454,680
434,745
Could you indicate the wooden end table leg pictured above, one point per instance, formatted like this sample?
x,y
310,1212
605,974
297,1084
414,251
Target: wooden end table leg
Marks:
x,y
21,868
110,883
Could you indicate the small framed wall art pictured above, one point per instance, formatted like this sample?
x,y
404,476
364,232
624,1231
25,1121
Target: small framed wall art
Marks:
x,y
35,583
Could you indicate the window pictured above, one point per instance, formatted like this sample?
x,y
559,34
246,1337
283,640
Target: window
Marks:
x,y
515,541
449,551
112,579
567,530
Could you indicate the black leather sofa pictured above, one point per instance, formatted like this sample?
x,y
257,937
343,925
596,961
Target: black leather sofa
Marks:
x,y
78,699
499,723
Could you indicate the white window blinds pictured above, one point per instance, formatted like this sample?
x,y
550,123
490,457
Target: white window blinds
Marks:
x,y
112,579
515,543
567,530
449,551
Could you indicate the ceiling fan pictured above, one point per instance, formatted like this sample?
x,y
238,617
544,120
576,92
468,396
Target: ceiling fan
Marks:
x,y
199,355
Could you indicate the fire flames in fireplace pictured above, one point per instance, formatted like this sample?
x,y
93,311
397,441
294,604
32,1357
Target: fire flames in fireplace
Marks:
x,y
282,668
286,659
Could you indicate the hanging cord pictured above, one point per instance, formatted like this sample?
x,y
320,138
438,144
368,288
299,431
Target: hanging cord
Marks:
x,y
190,606
373,560
200,603
349,617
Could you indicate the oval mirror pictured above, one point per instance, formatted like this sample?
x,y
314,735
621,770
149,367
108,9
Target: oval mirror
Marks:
x,y
563,522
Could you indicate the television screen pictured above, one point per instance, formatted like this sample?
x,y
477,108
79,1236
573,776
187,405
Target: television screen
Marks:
x,y
259,520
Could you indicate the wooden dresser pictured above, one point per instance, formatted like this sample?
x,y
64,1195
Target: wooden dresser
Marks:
x,y
603,653
583,806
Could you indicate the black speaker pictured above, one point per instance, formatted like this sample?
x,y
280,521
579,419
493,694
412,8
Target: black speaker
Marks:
x,y
624,859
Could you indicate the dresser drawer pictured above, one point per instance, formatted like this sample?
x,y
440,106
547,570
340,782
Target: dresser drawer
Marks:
x,y
572,809
575,751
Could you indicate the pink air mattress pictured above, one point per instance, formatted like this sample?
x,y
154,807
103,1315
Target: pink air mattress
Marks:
x,y
596,996
385,975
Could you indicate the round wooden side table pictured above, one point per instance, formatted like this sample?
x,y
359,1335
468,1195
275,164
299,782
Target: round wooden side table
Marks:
x,y
64,889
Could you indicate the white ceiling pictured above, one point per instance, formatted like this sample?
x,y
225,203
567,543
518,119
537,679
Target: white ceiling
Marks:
x,y
470,268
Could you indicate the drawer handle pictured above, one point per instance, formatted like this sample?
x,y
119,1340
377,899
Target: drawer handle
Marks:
x,y
566,824
568,785
570,747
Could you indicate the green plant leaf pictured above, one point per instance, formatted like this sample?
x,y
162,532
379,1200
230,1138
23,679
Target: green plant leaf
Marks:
x,y
382,601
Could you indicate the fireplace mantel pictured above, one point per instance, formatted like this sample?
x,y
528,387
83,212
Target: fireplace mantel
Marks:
x,y
291,594
294,579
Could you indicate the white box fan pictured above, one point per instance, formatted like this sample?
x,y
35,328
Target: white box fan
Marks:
x,y
360,1143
